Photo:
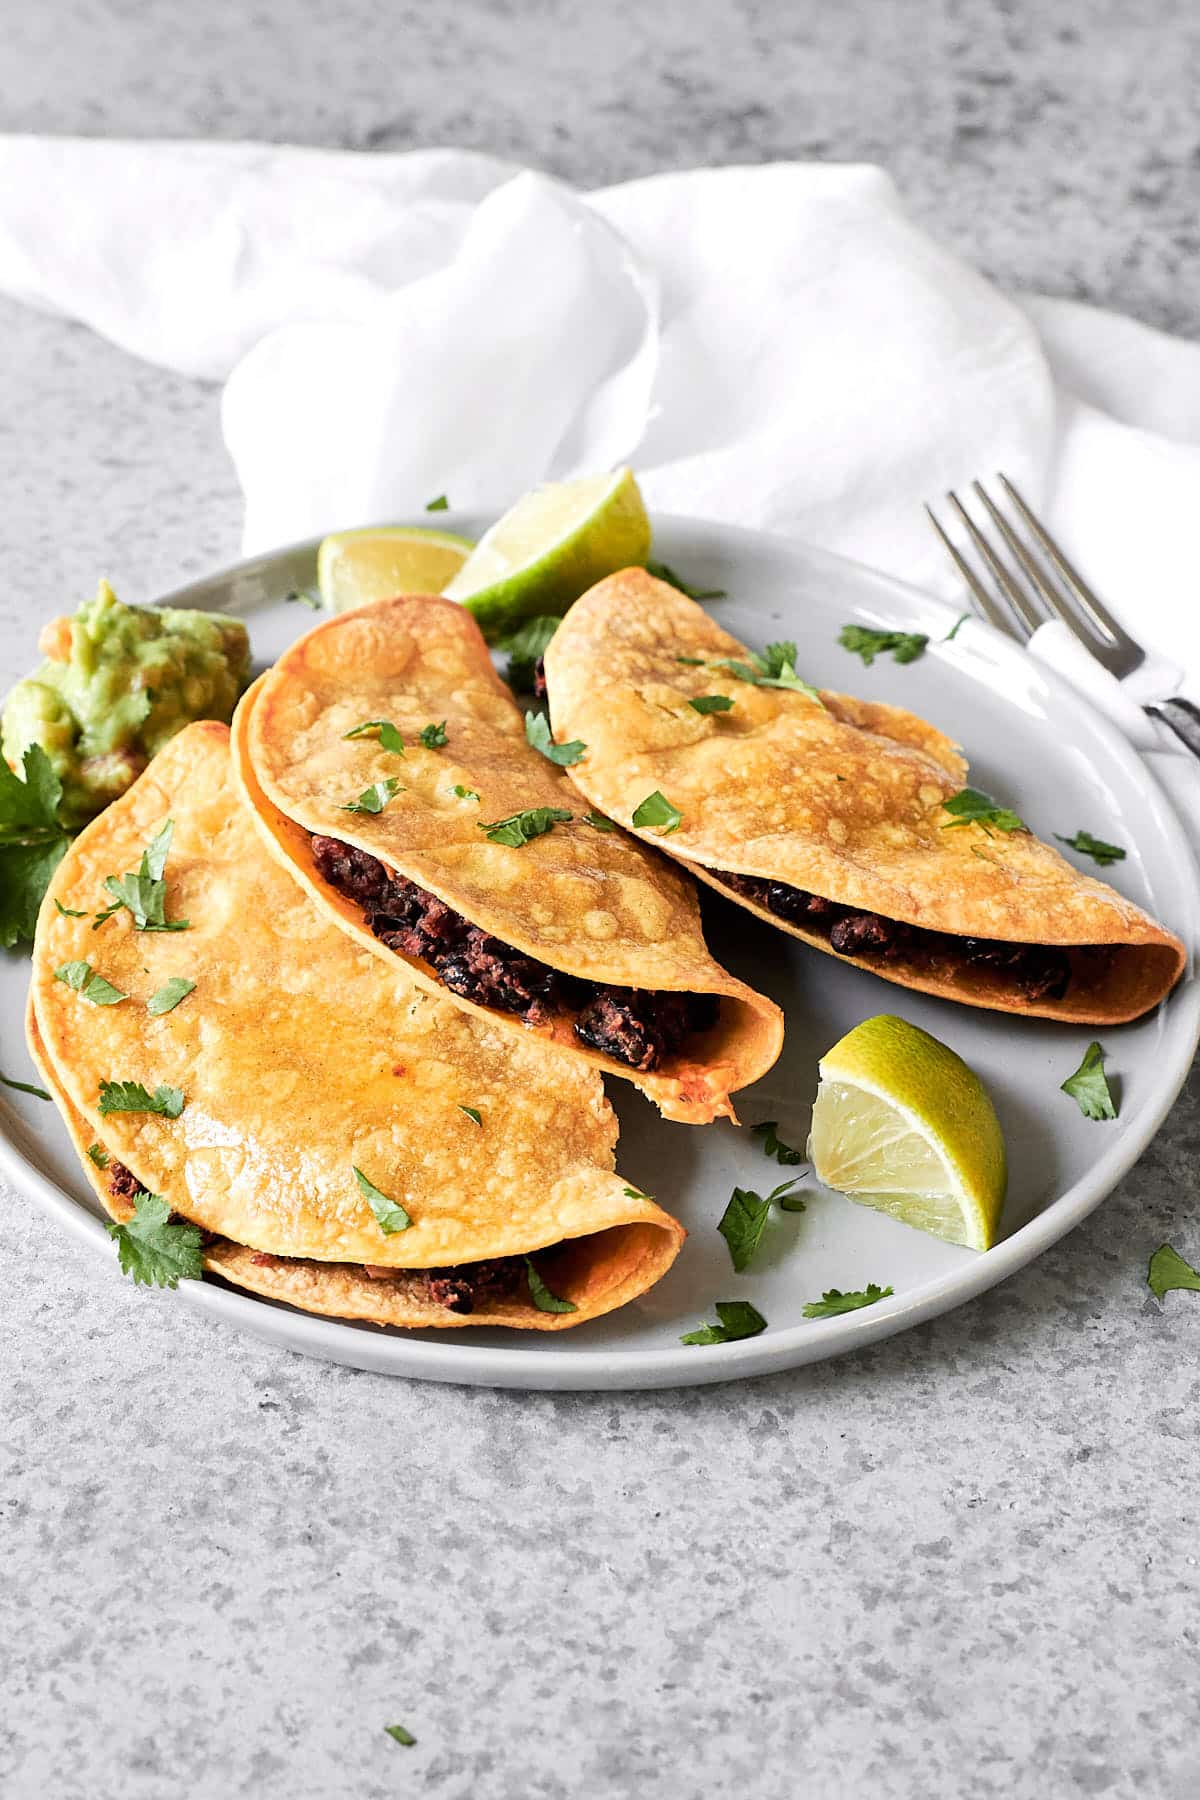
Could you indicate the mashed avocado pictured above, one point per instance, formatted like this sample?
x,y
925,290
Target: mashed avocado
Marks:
x,y
118,682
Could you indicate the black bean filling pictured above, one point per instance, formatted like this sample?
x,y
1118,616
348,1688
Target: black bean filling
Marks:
x,y
633,1026
1038,971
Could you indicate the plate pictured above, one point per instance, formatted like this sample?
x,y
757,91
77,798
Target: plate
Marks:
x,y
1033,743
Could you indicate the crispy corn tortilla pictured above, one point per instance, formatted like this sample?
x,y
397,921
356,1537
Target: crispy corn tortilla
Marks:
x,y
843,800
301,1057
590,903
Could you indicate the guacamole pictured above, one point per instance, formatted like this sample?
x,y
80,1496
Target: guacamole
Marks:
x,y
118,682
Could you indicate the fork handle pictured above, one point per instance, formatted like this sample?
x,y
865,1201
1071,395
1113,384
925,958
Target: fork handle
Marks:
x,y
1182,717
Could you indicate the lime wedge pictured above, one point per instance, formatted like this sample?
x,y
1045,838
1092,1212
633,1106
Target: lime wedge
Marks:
x,y
380,561
553,545
901,1124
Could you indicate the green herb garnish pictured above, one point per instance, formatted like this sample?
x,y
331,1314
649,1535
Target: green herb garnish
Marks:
x,y
598,822
154,1251
526,646
738,1320
776,667
433,736
132,1097
24,1087
99,1155
145,893
1095,847
953,631
656,811
398,1732
1088,1086
518,828
774,1145
169,995
662,571
693,662
441,504
83,979
472,1114
541,1296
390,1216
833,1301
537,733
711,703
971,807
389,737
305,597
374,798
69,912
1168,1270
632,1193
465,793
744,1219
32,841
865,641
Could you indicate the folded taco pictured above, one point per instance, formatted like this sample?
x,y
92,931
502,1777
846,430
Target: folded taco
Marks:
x,y
847,823
392,772
339,1137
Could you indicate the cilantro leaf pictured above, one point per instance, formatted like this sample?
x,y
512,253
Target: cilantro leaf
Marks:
x,y
389,737
656,810
742,1225
788,1202
833,1301
742,670
168,996
541,1296
313,601
374,798
972,807
441,504
537,733
738,1320
132,1097
465,793
953,631
1168,1270
693,662
526,646
1088,1086
32,841
520,827
632,1193
598,822
68,912
776,667
710,703
398,1732
774,1145
84,980
865,641
390,1216
472,1114
662,571
154,1251
144,893
99,1155
433,736
23,1087
1095,847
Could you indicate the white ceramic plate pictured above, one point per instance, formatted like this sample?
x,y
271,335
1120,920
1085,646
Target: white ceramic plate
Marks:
x,y
1032,742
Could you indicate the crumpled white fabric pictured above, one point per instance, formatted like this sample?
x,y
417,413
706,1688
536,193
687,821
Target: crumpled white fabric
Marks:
x,y
778,346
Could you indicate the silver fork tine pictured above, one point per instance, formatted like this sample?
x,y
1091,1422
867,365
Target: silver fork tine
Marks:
x,y
1043,583
1089,604
983,600
1011,588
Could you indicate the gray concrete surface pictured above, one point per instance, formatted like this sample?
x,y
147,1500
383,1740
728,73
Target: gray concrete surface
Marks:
x,y
962,1564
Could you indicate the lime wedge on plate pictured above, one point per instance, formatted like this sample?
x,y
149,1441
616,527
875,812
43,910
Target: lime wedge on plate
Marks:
x,y
380,561
549,548
901,1124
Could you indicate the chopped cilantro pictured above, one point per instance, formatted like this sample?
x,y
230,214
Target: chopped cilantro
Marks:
x,y
632,1193
662,571
656,811
433,736
389,737
776,667
154,1251
440,504
693,662
953,631
23,1087
744,1219
833,1301
169,995
518,828
69,912
398,1732
132,1097
537,733
541,1296
1095,847
305,597
88,985
465,793
792,1203
472,1114
99,1155
865,641
598,822
526,646
1168,1270
1088,1086
32,841
390,1216
738,1320
374,798
710,703
145,892
971,807
774,1145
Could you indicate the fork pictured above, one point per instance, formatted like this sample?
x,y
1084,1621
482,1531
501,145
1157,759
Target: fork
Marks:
x,y
1038,582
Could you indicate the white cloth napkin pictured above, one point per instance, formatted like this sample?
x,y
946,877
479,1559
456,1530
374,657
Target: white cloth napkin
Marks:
x,y
777,346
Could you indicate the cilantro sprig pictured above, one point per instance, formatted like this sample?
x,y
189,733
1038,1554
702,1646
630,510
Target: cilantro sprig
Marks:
x,y
526,646
166,998
373,799
390,1216
710,703
540,1294
1088,1086
738,1319
434,736
1168,1271
520,827
32,842
775,668
970,806
598,822
537,733
144,892
833,1301
1095,847
662,571
133,1097
773,1144
155,1250
389,737
745,1218
83,979
867,642
657,813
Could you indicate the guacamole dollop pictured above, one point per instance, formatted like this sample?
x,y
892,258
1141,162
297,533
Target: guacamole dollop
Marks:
x,y
119,681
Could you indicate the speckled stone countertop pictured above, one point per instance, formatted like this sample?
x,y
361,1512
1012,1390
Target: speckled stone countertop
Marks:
x,y
962,1564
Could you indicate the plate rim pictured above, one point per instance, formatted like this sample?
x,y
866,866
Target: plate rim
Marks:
x,y
457,1361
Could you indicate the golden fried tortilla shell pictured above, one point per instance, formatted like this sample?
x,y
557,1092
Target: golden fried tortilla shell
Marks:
x,y
843,800
591,903
300,1057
